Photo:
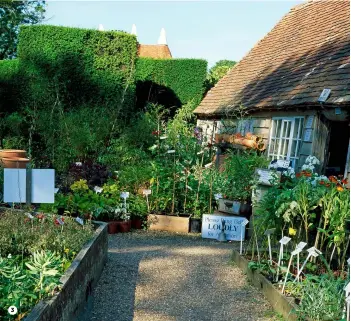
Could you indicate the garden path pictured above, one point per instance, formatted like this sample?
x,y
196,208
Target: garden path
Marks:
x,y
157,276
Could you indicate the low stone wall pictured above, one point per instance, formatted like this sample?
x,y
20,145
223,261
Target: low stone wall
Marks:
x,y
74,301
279,302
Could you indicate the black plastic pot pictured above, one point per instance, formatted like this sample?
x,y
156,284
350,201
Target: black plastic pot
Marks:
x,y
195,225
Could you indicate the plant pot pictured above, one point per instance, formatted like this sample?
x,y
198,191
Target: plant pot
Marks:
x,y
228,206
137,223
14,162
123,226
195,225
112,227
12,153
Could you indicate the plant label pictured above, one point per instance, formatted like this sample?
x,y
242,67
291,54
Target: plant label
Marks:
x,y
312,251
244,222
347,289
124,195
79,221
163,137
208,165
285,240
56,189
348,261
189,188
200,152
29,215
171,151
269,231
301,245
59,220
296,251
146,191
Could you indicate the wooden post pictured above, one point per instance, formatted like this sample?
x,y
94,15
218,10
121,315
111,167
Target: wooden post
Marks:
x,y
28,184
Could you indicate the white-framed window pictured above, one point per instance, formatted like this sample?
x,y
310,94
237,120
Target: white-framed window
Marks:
x,y
285,138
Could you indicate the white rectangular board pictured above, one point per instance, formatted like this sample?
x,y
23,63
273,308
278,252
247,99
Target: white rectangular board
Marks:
x,y
212,226
43,185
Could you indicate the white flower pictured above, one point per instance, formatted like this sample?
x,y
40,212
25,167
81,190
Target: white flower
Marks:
x,y
163,137
289,172
98,189
79,164
9,256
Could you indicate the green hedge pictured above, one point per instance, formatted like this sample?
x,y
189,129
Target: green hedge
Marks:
x,y
185,77
10,84
81,65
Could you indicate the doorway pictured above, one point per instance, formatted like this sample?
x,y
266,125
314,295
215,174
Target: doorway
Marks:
x,y
338,148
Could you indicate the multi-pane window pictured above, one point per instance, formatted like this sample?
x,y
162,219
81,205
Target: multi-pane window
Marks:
x,y
285,138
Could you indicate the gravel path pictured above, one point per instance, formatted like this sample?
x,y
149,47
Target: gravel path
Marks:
x,y
157,276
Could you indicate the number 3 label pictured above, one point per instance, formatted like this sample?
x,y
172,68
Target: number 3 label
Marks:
x,y
12,310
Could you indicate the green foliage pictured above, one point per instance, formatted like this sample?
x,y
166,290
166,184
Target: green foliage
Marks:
x,y
218,71
78,66
12,15
322,297
237,177
185,77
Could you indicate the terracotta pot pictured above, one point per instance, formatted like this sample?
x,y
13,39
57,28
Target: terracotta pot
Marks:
x,y
10,153
123,226
137,223
14,162
253,137
112,227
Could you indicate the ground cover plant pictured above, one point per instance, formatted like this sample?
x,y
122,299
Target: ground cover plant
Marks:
x,y
35,251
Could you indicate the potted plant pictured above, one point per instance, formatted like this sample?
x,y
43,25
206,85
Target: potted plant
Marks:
x,y
139,210
237,179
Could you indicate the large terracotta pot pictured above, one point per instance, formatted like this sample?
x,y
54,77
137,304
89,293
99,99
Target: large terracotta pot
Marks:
x,y
10,153
14,162
112,227
123,226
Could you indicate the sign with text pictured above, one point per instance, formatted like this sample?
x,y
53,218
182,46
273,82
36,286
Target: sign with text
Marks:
x,y
212,226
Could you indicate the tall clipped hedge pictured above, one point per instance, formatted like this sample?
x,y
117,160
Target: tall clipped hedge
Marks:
x,y
185,77
79,65
10,84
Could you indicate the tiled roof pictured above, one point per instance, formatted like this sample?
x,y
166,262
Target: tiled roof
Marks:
x,y
307,51
154,51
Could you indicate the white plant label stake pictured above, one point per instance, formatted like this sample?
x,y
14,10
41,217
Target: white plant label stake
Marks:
x,y
79,221
312,251
125,195
285,240
243,224
147,192
295,252
301,246
30,216
268,234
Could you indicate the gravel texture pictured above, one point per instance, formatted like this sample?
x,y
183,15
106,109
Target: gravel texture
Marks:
x,y
158,276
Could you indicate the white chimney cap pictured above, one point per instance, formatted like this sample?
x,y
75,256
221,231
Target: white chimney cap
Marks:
x,y
162,40
134,30
101,27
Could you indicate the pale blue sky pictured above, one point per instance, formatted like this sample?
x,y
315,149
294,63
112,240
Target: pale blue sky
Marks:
x,y
199,29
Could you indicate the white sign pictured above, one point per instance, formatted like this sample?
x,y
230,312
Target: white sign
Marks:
x,y
124,195
269,231
43,185
212,226
79,221
296,251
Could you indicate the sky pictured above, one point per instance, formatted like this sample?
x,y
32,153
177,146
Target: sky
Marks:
x,y
212,30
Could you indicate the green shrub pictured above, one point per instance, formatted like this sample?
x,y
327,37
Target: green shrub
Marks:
x,y
78,65
184,77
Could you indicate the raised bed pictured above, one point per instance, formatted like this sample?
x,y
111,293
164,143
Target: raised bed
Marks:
x,y
168,223
74,301
279,302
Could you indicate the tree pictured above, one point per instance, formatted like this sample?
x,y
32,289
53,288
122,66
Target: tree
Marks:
x,y
218,71
13,13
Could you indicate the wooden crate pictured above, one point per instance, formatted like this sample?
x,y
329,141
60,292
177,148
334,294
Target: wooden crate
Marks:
x,y
168,223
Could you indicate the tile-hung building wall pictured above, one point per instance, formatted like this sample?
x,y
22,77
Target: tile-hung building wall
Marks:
x,y
292,135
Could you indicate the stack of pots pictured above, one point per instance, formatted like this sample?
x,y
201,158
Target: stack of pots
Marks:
x,y
13,158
